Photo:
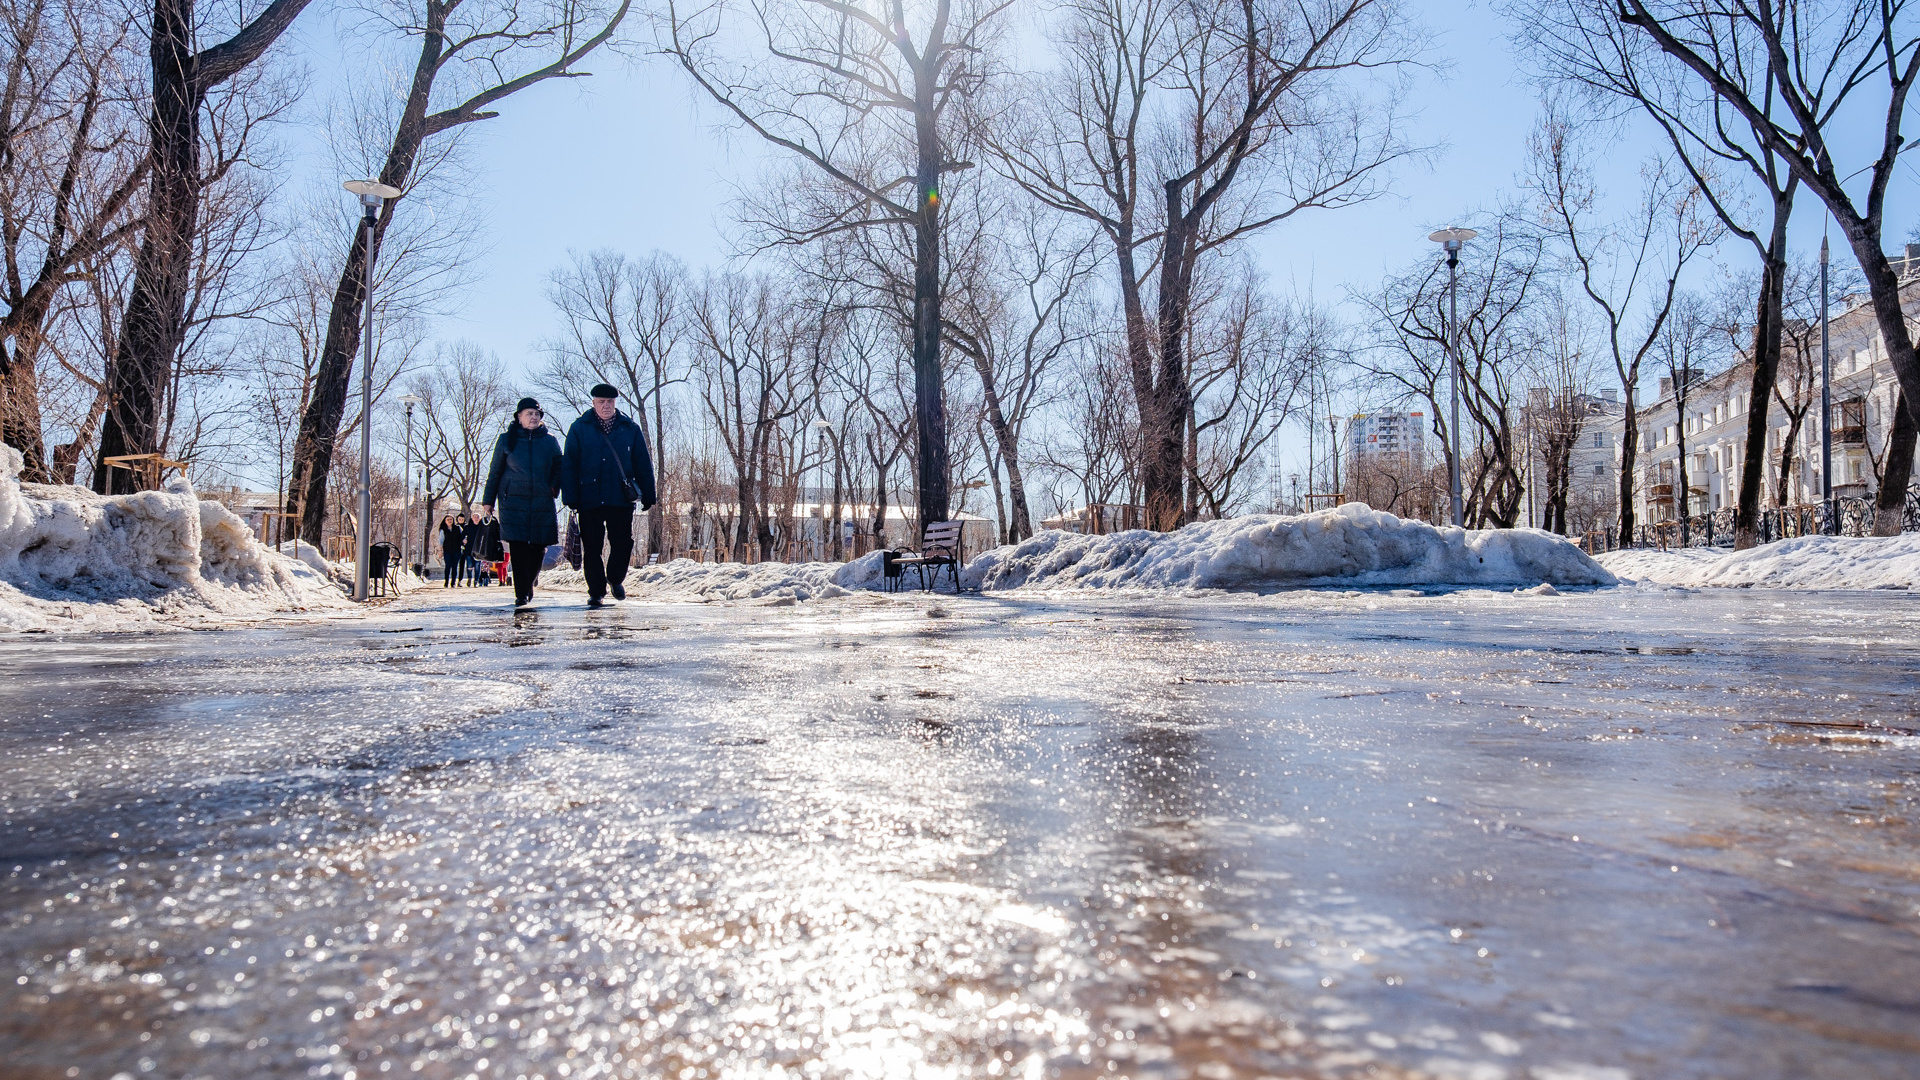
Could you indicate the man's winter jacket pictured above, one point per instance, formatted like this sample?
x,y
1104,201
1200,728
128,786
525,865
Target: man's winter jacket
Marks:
x,y
595,460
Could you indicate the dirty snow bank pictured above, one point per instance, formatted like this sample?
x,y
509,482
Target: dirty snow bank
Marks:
x,y
1809,562
1350,545
74,560
684,579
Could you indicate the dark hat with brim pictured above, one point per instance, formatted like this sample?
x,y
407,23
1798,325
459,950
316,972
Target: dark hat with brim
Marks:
x,y
604,390
525,404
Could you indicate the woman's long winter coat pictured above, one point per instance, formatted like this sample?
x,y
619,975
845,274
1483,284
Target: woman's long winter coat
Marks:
x,y
452,541
522,483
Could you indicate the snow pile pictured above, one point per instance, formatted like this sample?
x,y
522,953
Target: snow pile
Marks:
x,y
71,559
684,579
1809,562
1349,545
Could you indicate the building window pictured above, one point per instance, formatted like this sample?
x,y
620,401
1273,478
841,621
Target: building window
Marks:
x,y
1599,438
1599,470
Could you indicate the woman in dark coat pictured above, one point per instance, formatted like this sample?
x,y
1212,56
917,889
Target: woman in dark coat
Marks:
x,y
522,483
453,552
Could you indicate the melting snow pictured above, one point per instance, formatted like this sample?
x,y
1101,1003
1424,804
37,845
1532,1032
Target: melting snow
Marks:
x,y
74,560
1809,562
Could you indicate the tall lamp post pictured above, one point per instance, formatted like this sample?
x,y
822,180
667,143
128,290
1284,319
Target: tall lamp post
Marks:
x,y
372,193
1450,240
406,498
1832,524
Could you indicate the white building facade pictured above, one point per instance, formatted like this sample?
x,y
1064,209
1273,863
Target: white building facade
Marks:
x,y
1713,422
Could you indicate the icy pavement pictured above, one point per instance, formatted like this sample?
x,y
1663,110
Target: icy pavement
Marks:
x,y
1474,836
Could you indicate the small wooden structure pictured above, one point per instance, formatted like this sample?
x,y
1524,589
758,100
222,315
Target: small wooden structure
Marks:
x,y
1325,501
146,468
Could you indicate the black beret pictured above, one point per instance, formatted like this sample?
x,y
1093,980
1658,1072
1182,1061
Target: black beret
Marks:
x,y
603,390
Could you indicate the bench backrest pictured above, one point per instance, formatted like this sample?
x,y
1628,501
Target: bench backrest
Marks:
x,y
942,537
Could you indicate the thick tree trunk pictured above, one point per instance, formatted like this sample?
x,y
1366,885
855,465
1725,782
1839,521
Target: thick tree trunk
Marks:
x,y
929,399
1163,430
1682,494
141,364
20,403
1889,508
1629,451
1767,327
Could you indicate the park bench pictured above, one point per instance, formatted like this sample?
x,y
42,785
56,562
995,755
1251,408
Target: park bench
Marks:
x,y
939,547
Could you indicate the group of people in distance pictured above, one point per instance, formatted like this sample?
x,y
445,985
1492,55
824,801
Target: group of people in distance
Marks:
x,y
601,474
470,550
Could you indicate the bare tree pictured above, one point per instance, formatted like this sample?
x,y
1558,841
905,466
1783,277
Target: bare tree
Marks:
x,y
1500,344
1179,128
465,399
1016,313
625,325
1584,42
470,51
73,163
155,323
746,346
875,102
1681,349
1629,270
1253,356
1826,66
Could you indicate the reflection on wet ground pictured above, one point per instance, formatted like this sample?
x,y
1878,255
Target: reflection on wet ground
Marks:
x,y
1618,834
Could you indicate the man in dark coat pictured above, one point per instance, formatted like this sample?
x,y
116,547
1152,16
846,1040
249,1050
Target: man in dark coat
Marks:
x,y
525,476
607,471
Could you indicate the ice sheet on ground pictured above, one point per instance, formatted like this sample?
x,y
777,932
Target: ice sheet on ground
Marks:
x,y
1351,544
1809,562
74,560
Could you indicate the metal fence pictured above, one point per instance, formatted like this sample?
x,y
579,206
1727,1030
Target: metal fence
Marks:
x,y
1853,517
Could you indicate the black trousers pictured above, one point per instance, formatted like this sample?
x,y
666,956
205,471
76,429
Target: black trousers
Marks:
x,y
526,560
612,525
450,559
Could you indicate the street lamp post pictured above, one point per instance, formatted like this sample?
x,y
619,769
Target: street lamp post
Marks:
x,y
1832,524
372,193
1450,240
406,498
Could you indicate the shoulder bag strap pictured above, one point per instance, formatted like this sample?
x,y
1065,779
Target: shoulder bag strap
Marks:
x,y
626,485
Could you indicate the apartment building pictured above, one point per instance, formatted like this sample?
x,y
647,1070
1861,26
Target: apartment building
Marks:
x,y
1708,413
1387,434
1593,484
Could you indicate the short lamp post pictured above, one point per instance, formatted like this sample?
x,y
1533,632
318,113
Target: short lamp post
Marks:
x,y
1450,241
406,498
372,193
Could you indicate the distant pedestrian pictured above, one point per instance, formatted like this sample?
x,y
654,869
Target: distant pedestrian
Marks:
x,y
476,531
525,477
452,550
608,470
463,569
